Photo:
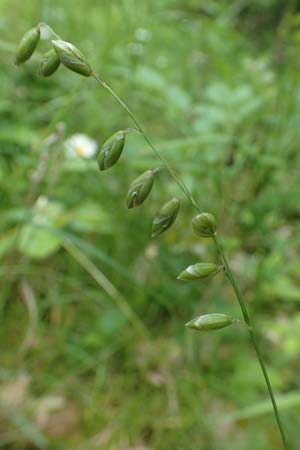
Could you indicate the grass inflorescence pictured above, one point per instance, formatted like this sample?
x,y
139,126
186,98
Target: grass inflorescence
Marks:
x,y
204,224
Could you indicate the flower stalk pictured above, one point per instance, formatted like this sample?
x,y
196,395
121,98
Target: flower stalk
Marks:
x,y
252,335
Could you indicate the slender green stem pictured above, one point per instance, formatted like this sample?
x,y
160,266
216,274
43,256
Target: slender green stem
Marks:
x,y
107,286
247,319
45,25
222,256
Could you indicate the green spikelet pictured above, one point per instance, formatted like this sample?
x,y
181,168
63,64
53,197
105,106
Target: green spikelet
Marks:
x,y
27,45
165,217
140,189
199,271
111,150
49,64
72,58
209,322
204,225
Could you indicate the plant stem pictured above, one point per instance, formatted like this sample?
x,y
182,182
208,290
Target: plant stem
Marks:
x,y
219,249
107,286
259,355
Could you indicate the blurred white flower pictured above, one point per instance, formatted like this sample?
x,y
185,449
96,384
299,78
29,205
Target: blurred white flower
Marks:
x,y
40,211
151,251
42,202
80,145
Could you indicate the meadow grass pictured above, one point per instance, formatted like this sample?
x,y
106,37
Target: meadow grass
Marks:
x,y
222,105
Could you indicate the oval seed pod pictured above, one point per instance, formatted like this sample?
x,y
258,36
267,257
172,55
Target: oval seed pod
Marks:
x,y
27,45
204,225
140,189
72,58
209,322
49,64
165,217
111,150
199,271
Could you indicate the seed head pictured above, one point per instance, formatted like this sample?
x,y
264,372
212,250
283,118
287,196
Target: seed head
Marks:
x,y
204,225
165,217
199,271
49,64
140,189
209,322
27,45
72,58
111,150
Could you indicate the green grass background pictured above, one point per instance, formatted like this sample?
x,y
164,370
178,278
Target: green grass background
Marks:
x,y
93,350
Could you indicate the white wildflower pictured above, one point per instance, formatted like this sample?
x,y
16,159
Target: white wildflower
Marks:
x,y
42,202
80,145
40,210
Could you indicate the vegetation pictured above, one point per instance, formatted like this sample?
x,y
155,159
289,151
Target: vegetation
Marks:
x,y
82,274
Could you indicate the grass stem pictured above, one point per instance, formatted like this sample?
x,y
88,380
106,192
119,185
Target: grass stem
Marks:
x,y
102,281
221,254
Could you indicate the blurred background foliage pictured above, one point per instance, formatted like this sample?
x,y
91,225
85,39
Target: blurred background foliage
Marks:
x,y
94,353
